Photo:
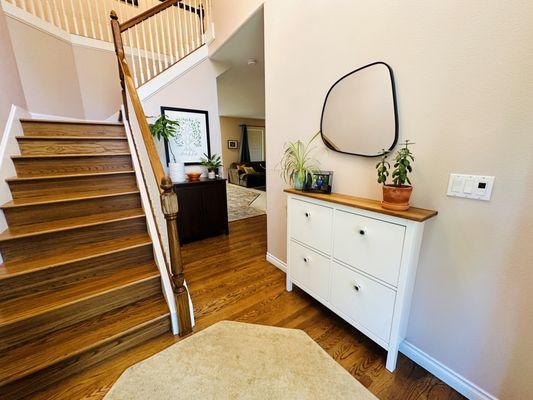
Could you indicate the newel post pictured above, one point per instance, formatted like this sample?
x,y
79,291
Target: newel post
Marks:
x,y
169,203
119,51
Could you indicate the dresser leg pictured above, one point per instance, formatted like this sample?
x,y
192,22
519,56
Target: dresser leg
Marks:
x,y
289,284
392,357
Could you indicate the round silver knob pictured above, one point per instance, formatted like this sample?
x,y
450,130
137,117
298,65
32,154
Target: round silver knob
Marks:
x,y
307,215
357,287
306,260
362,232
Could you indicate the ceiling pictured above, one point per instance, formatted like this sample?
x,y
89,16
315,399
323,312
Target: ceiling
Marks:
x,y
241,89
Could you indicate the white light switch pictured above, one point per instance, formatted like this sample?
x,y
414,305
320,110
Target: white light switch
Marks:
x,y
471,186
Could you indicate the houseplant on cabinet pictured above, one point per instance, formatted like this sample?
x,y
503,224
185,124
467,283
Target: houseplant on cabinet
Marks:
x,y
297,165
165,128
396,195
212,164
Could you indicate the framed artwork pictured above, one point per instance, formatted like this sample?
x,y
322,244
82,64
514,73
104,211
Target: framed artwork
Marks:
x,y
192,136
320,183
233,144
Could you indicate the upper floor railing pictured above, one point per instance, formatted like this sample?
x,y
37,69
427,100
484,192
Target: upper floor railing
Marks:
x,y
151,44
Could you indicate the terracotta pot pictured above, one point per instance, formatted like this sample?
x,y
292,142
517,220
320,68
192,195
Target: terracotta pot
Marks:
x,y
396,197
193,176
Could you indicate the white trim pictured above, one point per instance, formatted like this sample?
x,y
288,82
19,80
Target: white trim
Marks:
x,y
60,118
445,374
152,231
276,262
172,73
9,147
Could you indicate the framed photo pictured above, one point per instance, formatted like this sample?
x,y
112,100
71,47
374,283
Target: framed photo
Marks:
x,y
233,144
321,182
192,135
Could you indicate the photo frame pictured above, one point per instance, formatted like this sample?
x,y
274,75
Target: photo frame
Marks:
x,y
192,136
321,182
233,144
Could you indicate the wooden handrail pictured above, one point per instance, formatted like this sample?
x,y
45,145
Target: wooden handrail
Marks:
x,y
147,14
169,200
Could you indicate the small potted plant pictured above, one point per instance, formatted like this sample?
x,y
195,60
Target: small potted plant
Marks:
x,y
396,195
212,164
297,165
165,128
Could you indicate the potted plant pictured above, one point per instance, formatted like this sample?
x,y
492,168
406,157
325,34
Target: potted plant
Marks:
x,y
297,165
396,195
212,164
165,128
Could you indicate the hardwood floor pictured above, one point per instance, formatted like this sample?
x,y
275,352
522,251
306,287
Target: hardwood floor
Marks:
x,y
229,279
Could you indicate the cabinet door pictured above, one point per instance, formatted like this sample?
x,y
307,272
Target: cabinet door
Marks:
x,y
370,245
190,215
365,301
310,269
311,224
214,205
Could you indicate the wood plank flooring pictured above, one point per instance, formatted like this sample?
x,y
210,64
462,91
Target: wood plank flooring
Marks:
x,y
229,279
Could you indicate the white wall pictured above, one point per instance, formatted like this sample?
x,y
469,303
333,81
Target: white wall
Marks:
x,y
47,71
10,85
465,93
196,89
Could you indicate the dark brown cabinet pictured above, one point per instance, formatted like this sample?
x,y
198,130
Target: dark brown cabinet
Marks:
x,y
203,209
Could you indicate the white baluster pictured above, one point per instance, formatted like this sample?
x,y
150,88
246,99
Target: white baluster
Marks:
x,y
65,19
49,15
146,60
57,17
141,72
23,5
154,69
186,25
41,10
191,27
197,24
74,18
32,7
91,20
82,16
107,10
99,18
202,27
163,41
157,46
133,59
169,35
181,36
175,28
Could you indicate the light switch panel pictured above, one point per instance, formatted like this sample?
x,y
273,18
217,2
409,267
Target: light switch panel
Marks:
x,y
476,187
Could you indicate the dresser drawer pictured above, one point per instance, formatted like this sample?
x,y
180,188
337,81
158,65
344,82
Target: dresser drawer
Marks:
x,y
365,301
310,268
370,245
311,224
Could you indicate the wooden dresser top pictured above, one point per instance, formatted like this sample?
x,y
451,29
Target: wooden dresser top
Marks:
x,y
414,214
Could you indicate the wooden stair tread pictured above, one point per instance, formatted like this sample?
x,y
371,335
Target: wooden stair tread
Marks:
x,y
74,138
69,223
66,122
45,177
68,156
18,309
76,339
66,197
11,269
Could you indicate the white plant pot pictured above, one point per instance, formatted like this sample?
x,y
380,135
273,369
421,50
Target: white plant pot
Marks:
x,y
176,172
211,175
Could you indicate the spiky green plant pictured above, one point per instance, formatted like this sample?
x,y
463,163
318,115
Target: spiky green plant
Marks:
x,y
212,163
165,128
402,166
297,163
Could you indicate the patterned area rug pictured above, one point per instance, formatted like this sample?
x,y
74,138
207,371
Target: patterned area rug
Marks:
x,y
242,202
233,360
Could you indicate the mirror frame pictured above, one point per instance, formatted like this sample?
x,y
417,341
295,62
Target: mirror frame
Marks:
x,y
395,106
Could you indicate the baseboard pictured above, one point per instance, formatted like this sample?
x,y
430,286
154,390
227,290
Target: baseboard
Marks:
x,y
445,374
276,262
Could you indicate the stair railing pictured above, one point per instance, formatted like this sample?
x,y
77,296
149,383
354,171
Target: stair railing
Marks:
x,y
155,175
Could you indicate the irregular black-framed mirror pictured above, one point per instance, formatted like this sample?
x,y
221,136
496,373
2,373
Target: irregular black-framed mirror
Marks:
x,y
360,115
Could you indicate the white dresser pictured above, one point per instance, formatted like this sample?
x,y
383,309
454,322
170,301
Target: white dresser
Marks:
x,y
357,259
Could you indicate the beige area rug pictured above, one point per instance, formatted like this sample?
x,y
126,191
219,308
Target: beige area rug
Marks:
x,y
232,360
244,202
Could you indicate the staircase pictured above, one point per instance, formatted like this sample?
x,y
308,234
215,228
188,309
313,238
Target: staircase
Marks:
x,y
78,283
